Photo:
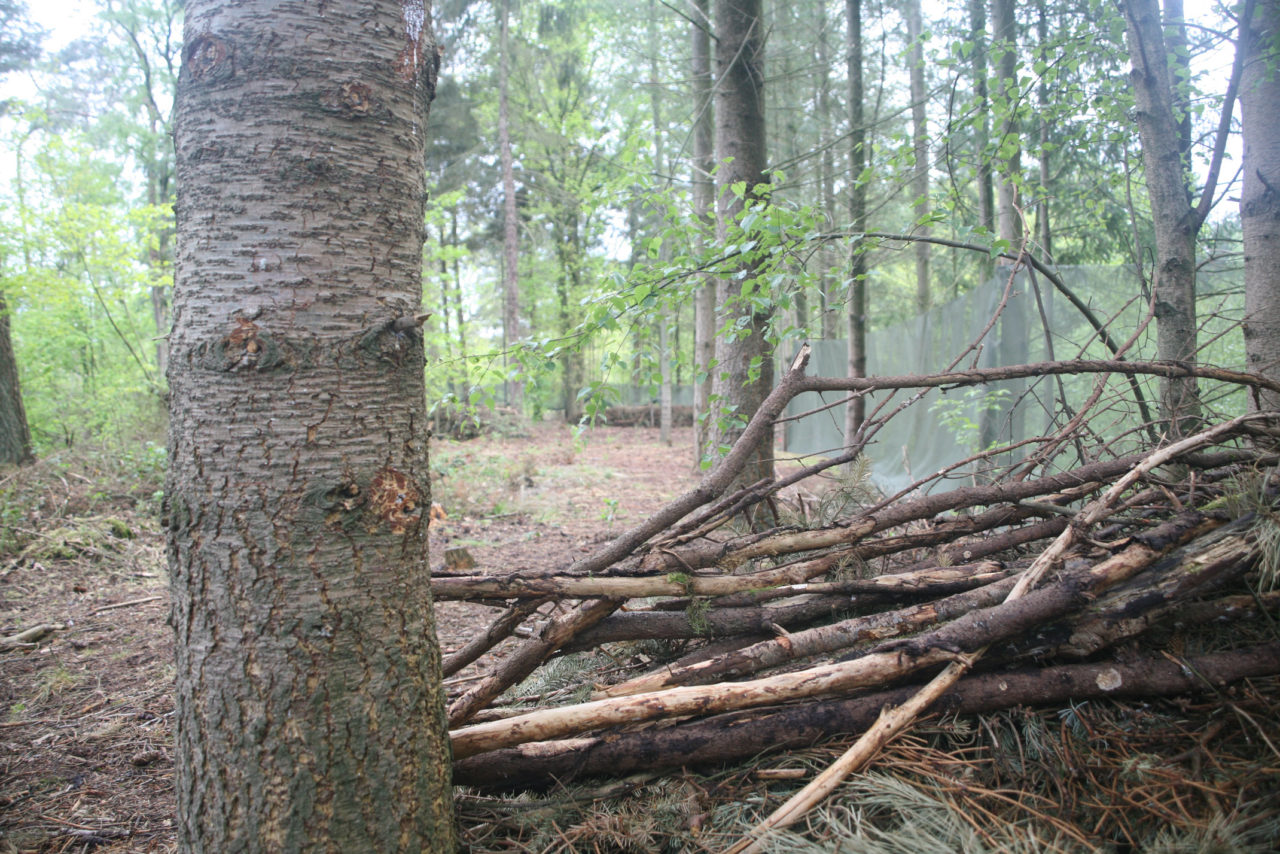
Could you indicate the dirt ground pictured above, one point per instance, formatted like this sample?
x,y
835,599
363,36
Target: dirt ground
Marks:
x,y
86,754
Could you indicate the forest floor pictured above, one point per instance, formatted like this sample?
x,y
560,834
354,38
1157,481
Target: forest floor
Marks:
x,y
86,710
86,757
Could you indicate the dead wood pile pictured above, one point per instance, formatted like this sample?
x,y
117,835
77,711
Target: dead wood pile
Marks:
x,y
646,415
781,625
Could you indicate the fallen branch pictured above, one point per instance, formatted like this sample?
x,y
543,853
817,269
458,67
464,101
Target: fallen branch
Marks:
x,y
501,629
144,600
526,657
893,722
737,736
973,631
29,637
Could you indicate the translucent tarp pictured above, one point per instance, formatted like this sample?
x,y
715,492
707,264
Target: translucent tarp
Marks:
x,y
945,426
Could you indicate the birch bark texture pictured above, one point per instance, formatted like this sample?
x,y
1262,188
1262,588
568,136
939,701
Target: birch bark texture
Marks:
x,y
309,706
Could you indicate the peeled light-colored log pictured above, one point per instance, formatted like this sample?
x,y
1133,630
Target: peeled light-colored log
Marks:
x,y
818,681
736,736
975,630
1145,549
815,641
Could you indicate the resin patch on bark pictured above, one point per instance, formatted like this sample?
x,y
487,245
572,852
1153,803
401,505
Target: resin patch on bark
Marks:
x,y
395,499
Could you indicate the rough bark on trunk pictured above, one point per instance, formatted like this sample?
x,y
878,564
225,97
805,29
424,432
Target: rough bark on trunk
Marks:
x,y
510,215
1173,217
309,706
15,434
743,374
1260,198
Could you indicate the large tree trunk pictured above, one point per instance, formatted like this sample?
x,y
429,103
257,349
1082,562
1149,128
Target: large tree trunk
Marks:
x,y
856,313
15,435
1260,198
704,309
1174,219
510,215
309,706
743,374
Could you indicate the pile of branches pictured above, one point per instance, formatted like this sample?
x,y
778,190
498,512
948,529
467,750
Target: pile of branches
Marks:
x,y
1033,578
645,415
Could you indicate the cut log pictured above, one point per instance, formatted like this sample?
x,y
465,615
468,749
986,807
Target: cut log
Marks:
x,y
1144,550
737,736
973,631
724,622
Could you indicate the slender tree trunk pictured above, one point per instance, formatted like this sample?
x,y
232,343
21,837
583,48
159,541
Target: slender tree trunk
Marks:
x,y
568,286
1260,198
459,310
743,375
1044,232
1009,226
511,333
704,308
855,412
829,316
1173,217
309,710
982,131
1003,422
664,251
920,152
15,434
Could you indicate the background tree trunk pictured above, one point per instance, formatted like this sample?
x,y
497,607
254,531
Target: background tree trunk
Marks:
x,y
856,312
743,374
1171,212
309,706
510,214
920,151
665,318
15,435
1260,198
982,131
704,333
